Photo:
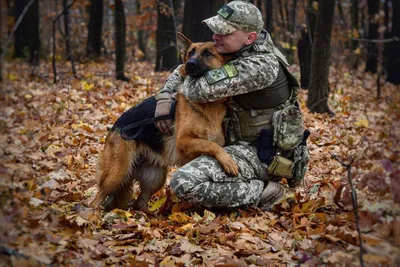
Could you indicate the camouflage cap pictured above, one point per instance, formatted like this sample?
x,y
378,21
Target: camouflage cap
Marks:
x,y
236,15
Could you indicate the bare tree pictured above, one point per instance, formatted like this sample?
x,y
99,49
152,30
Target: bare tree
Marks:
x,y
269,26
354,21
373,25
70,55
393,68
4,48
386,35
195,12
26,37
95,27
54,41
1,38
305,44
140,32
319,85
120,42
167,56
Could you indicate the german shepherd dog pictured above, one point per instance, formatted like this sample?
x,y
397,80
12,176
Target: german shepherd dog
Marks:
x,y
198,131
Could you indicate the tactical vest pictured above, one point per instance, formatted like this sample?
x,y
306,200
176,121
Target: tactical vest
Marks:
x,y
246,125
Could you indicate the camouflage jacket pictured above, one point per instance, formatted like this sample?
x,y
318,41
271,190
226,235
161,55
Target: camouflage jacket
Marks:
x,y
256,67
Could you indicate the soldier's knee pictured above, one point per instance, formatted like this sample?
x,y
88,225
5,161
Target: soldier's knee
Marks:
x,y
182,183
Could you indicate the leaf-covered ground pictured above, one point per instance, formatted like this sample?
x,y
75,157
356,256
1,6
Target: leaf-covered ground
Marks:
x,y
50,137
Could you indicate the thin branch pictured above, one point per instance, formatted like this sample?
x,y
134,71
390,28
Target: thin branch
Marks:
x,y
54,40
393,39
19,20
354,201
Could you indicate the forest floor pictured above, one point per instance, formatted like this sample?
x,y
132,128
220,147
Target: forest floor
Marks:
x,y
51,136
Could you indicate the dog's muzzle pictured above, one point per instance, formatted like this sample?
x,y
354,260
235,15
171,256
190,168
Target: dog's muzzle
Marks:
x,y
194,68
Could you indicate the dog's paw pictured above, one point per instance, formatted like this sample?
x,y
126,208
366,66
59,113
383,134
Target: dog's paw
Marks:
x,y
228,164
139,205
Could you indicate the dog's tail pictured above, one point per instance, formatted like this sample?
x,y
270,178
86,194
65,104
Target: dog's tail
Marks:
x,y
114,177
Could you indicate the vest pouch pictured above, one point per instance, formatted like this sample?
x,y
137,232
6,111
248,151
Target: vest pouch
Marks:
x,y
253,121
288,127
301,157
281,167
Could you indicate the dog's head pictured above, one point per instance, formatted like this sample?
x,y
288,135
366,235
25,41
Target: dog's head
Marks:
x,y
199,57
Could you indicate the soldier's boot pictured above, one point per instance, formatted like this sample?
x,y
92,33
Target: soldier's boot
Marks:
x,y
273,194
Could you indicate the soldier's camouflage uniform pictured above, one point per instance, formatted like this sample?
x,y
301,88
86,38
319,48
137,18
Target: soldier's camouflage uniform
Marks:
x,y
257,71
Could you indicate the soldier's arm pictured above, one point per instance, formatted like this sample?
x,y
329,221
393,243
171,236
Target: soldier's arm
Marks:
x,y
173,81
237,77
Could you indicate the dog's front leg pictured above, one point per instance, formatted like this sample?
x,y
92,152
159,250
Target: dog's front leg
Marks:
x,y
192,148
151,178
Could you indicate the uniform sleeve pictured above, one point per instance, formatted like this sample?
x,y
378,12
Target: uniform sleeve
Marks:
x,y
240,76
173,81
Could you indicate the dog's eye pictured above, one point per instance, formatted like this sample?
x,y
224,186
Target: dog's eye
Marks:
x,y
191,52
206,53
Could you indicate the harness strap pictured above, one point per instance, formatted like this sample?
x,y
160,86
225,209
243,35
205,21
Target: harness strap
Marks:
x,y
145,122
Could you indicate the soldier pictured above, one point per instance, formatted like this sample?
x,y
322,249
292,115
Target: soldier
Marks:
x,y
258,82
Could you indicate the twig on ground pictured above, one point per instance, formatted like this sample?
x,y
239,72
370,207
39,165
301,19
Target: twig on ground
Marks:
x,y
354,201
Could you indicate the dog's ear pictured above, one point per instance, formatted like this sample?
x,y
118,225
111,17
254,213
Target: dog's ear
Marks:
x,y
183,44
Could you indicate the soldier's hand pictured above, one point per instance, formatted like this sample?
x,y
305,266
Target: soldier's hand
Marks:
x,y
163,108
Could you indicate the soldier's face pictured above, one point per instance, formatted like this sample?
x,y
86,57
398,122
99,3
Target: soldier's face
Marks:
x,y
230,43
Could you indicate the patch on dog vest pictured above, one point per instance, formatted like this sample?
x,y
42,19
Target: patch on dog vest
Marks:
x,y
227,71
225,11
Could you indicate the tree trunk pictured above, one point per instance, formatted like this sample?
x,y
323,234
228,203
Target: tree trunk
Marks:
x,y
311,19
140,32
269,16
287,16
167,56
293,14
283,24
33,28
292,29
195,12
120,42
394,50
1,38
341,13
95,28
386,35
305,44
26,37
319,85
373,25
304,50
354,23
19,35
70,55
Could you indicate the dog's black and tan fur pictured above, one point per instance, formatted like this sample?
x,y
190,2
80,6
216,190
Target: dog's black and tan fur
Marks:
x,y
198,131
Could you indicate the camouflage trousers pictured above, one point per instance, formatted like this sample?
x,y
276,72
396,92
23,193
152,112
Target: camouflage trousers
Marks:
x,y
203,180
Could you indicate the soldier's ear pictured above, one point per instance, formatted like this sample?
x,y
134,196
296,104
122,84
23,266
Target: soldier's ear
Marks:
x,y
183,44
251,38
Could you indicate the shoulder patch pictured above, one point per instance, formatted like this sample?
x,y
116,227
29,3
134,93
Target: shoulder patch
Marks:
x,y
227,71
231,70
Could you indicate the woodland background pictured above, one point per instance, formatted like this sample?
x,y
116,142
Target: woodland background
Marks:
x,y
69,69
